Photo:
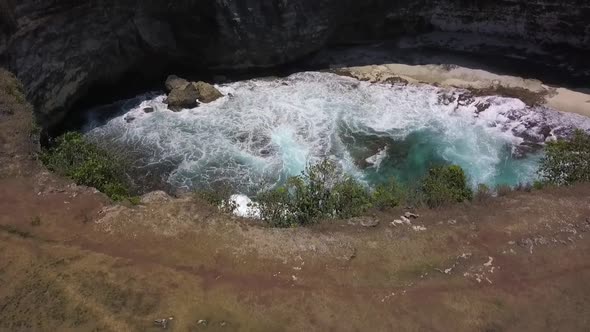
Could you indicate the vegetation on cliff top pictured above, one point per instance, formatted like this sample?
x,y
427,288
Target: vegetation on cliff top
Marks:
x,y
567,161
321,193
85,163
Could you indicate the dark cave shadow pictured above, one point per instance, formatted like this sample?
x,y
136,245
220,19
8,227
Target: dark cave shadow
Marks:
x,y
84,119
560,65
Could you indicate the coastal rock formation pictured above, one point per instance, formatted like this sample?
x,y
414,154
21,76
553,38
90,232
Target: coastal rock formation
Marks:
x,y
61,49
175,82
207,92
185,94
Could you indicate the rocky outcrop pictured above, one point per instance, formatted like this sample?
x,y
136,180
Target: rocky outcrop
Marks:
x,y
184,94
62,49
174,82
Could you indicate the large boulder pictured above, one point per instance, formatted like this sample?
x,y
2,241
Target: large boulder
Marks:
x,y
183,97
206,92
184,94
175,82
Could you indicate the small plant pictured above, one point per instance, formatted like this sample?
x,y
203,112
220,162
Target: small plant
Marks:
x,y
388,195
503,190
483,193
526,187
14,88
567,161
414,196
350,199
36,221
73,156
220,198
318,193
445,185
35,129
275,208
134,200
539,185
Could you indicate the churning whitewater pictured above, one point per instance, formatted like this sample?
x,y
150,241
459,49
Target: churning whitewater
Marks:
x,y
265,130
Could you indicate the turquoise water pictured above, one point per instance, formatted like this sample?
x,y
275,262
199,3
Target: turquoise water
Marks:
x,y
408,159
264,131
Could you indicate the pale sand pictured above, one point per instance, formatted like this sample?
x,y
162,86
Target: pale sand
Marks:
x,y
561,99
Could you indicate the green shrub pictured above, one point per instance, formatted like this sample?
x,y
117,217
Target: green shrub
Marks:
x,y
444,185
14,88
318,193
275,208
321,193
389,195
350,199
219,197
73,156
538,185
567,161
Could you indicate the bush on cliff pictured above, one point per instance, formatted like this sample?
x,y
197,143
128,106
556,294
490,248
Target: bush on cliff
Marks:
x,y
318,193
321,193
389,195
73,156
567,161
444,185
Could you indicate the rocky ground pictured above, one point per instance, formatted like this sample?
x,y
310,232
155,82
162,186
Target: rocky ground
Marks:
x,y
479,81
72,260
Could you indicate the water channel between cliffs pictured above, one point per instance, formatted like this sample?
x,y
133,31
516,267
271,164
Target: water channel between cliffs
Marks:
x,y
265,130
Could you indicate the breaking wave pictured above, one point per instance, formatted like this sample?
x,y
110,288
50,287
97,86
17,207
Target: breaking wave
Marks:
x,y
265,130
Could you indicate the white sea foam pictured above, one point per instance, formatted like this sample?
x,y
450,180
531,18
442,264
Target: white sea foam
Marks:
x,y
376,159
245,207
265,130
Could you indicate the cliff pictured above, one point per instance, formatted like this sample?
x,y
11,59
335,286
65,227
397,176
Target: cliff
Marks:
x,y
63,48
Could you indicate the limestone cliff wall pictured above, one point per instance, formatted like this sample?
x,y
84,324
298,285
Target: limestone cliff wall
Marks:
x,y
540,21
60,48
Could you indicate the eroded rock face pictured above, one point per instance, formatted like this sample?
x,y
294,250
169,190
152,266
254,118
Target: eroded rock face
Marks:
x,y
60,49
175,82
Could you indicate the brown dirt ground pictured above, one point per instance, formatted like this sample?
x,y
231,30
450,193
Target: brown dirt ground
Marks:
x,y
72,261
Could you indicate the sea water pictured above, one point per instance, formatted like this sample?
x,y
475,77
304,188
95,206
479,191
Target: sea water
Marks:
x,y
266,130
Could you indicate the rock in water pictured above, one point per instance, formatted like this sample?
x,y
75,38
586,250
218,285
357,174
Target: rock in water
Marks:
x,y
183,97
207,92
185,94
175,82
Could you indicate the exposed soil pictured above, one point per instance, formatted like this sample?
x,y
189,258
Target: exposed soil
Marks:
x,y
71,260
